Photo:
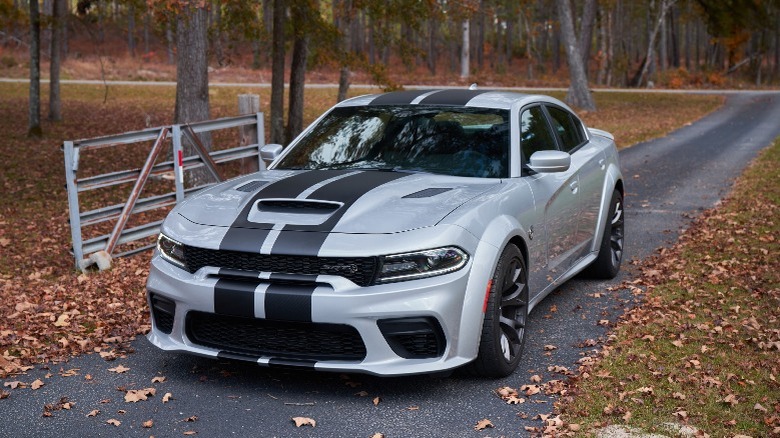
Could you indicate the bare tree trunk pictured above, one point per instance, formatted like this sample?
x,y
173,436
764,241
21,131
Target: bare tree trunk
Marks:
x,y
605,32
578,94
300,15
147,25
131,29
34,119
55,109
674,34
218,49
465,51
665,4
556,55
277,74
192,75
170,42
432,55
344,24
586,31
663,54
481,36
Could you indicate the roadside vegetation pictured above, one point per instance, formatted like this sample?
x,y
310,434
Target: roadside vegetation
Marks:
x,y
702,350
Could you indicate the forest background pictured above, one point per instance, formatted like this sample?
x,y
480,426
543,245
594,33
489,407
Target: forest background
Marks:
x,y
619,43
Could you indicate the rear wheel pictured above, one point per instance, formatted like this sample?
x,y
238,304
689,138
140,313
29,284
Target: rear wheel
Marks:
x,y
607,264
503,329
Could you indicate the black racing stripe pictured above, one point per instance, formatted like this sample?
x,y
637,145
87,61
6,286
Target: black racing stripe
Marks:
x,y
451,97
289,302
248,236
398,97
293,278
307,239
235,298
291,363
237,356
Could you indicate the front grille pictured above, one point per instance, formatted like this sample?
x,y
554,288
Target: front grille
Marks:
x,y
260,337
361,270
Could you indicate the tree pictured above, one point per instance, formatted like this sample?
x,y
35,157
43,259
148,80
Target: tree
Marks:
x,y
586,30
303,20
34,119
665,5
192,75
58,16
578,94
277,73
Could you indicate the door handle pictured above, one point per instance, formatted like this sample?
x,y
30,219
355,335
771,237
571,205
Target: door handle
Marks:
x,y
574,186
601,164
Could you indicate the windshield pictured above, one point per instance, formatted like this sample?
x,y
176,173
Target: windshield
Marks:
x,y
470,142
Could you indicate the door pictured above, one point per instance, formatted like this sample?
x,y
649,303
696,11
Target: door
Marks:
x,y
555,195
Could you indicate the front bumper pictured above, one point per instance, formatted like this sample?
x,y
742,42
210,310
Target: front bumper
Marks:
x,y
446,307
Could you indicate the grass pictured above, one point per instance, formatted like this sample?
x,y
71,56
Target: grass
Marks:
x,y
703,348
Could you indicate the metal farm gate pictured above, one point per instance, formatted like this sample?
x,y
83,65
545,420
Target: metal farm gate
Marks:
x,y
167,139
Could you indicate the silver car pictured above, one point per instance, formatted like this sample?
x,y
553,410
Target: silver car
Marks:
x,y
401,233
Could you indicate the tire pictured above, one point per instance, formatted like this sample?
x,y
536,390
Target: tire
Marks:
x,y
503,329
607,264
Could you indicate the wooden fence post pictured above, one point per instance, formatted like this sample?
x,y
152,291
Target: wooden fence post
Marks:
x,y
248,104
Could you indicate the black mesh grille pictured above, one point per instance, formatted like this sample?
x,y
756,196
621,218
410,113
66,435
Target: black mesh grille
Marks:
x,y
422,345
163,311
361,270
260,337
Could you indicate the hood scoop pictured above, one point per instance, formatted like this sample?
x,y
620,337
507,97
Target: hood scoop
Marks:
x,y
297,206
292,211
427,193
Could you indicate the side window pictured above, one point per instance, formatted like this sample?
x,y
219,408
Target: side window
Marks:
x,y
535,133
570,132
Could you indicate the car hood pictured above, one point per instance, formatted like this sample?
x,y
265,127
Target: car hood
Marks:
x,y
333,201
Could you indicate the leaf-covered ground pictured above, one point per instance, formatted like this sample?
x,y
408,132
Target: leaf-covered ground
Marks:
x,y
48,312
703,350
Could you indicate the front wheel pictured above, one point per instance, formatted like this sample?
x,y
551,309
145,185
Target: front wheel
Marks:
x,y
607,264
506,313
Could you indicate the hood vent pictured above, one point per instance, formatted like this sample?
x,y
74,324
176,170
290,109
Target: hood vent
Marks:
x,y
427,193
251,186
297,206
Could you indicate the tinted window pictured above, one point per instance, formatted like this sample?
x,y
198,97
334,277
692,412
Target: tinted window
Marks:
x,y
535,133
446,140
570,132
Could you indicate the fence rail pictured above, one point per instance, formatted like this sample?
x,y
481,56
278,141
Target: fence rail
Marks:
x,y
170,137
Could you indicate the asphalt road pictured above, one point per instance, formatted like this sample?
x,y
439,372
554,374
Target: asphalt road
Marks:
x,y
668,180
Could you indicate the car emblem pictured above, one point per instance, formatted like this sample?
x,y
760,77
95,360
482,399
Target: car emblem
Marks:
x,y
350,268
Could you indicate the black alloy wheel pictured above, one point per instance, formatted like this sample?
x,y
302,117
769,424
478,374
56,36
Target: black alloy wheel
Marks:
x,y
506,315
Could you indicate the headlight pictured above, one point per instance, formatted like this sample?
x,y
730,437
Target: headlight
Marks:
x,y
420,264
171,250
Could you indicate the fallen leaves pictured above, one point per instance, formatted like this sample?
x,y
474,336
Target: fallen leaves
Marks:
x,y
167,397
114,422
119,369
304,421
136,395
483,424
37,384
701,345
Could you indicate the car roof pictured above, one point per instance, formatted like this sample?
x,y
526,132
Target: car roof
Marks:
x,y
455,97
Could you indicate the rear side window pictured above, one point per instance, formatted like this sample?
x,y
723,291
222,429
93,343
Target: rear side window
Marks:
x,y
569,130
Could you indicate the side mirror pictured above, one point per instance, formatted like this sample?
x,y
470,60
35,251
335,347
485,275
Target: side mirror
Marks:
x,y
550,161
270,152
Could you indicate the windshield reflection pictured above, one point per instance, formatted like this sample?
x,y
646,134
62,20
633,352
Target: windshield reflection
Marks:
x,y
471,142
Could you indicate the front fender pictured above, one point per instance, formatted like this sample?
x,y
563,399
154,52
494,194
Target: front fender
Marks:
x,y
610,183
